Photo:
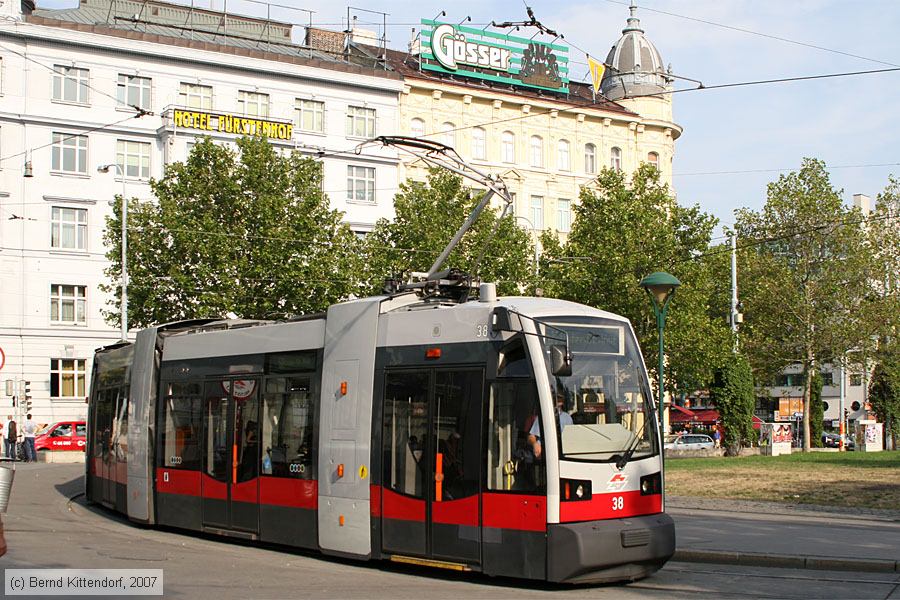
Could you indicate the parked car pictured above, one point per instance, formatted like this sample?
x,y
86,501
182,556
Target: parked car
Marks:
x,y
691,441
833,440
65,435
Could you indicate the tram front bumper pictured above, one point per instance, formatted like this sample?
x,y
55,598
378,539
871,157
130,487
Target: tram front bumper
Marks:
x,y
609,550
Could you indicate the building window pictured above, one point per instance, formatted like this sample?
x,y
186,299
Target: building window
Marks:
x,y
537,212
253,104
361,184
508,147
537,151
449,134
195,96
69,153
67,377
563,215
479,144
855,379
590,159
133,91
827,378
417,127
67,304
562,156
653,159
70,84
615,159
68,228
310,115
133,158
360,121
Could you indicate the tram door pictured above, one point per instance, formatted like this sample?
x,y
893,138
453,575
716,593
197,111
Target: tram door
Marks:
x,y
432,466
230,481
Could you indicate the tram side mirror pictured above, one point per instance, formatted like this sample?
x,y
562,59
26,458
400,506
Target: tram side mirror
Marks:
x,y
560,361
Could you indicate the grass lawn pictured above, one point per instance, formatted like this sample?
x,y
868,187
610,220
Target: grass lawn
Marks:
x,y
852,479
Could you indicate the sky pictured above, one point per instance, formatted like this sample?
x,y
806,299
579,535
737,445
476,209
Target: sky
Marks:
x,y
736,140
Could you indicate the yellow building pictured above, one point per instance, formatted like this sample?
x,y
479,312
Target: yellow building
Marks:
x,y
545,143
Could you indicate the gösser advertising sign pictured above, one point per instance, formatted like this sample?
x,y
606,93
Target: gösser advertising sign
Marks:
x,y
481,54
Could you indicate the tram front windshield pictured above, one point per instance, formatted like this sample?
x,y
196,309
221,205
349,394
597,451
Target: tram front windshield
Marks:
x,y
606,397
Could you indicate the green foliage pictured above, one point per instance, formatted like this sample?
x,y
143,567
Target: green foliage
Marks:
x,y
884,390
247,231
624,229
816,410
427,217
735,398
807,288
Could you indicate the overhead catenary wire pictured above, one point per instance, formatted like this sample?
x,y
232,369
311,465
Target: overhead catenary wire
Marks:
x,y
757,33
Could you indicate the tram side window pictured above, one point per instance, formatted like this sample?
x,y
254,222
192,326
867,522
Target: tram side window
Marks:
x,y
181,425
511,462
404,433
287,428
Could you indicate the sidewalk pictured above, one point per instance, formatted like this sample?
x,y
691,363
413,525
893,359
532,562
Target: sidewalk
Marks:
x,y
785,535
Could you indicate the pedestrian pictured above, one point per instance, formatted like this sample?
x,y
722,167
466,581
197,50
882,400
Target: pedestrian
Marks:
x,y
30,428
10,433
717,437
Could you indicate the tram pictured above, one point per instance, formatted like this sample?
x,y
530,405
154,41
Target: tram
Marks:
x,y
513,436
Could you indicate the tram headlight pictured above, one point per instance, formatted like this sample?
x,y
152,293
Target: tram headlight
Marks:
x,y
651,484
573,490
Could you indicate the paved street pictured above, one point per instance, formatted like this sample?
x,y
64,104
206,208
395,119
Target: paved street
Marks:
x,y
44,529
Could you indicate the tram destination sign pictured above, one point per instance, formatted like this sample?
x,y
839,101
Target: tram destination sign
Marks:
x,y
481,54
237,124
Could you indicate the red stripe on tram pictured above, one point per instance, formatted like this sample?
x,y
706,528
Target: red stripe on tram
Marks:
x,y
515,511
213,488
616,505
456,512
400,507
282,491
175,481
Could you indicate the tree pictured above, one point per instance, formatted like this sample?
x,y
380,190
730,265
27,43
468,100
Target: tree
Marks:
x,y
884,395
816,410
624,229
807,267
244,230
884,229
735,397
428,214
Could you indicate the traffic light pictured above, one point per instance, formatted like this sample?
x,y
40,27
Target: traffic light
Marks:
x,y
27,396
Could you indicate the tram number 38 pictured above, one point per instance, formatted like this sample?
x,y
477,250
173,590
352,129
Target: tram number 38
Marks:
x,y
618,502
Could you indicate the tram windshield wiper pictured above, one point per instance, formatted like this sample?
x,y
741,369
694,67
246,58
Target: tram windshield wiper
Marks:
x,y
623,460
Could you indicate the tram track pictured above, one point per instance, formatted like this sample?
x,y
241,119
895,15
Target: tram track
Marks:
x,y
731,576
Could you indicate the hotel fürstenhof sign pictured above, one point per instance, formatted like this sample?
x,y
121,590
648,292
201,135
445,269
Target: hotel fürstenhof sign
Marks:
x,y
236,124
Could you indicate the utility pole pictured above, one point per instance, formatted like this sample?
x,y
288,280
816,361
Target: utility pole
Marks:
x,y
736,317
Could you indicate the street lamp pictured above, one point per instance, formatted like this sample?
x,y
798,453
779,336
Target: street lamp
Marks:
x,y
124,302
660,287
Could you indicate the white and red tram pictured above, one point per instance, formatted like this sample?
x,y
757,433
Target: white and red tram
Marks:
x,y
400,427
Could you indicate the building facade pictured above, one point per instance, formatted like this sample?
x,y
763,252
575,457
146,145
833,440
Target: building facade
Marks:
x,y
545,137
133,85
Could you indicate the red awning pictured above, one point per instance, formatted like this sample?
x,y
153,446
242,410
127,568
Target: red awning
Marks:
x,y
708,416
690,413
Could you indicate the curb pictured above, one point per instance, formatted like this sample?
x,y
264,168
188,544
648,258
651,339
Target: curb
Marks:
x,y
787,561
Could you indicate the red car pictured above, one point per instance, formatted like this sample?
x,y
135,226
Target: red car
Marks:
x,y
65,435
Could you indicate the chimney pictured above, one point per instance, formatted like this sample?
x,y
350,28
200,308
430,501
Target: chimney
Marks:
x,y
325,40
415,44
863,203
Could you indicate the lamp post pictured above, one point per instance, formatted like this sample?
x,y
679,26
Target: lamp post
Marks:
x,y
660,287
124,302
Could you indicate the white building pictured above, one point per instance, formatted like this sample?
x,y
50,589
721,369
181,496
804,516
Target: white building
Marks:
x,y
68,78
